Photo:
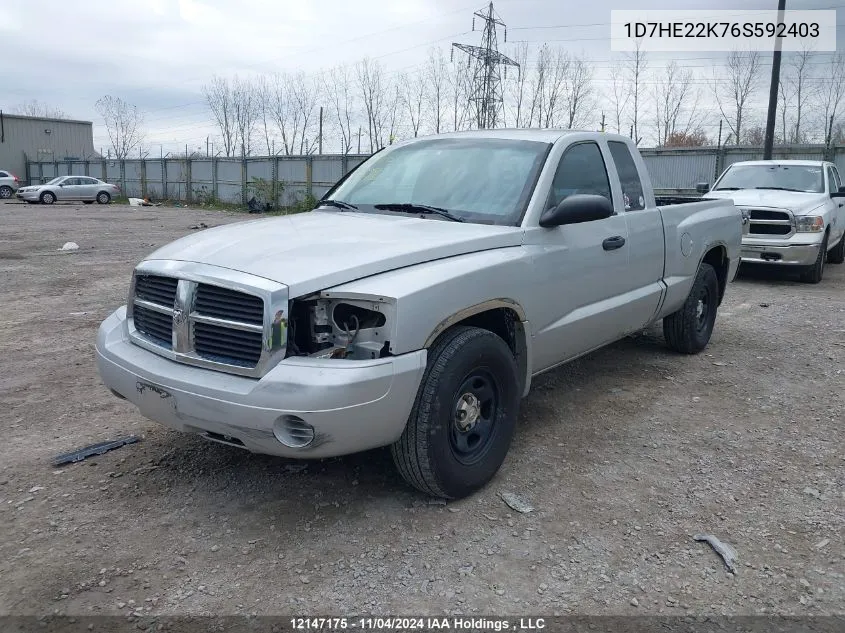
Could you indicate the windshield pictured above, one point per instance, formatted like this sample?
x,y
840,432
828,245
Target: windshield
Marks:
x,y
56,181
807,178
477,179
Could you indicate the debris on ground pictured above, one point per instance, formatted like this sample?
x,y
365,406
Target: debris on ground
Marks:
x,y
822,543
70,246
724,550
143,202
94,449
813,492
201,225
516,502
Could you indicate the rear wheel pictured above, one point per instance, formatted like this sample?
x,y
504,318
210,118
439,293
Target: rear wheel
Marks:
x,y
689,329
837,254
464,416
103,198
47,197
6,192
813,274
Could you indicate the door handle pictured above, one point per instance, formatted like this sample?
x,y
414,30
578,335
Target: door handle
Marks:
x,y
612,243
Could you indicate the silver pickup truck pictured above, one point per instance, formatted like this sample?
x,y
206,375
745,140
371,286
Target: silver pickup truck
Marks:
x,y
796,210
415,304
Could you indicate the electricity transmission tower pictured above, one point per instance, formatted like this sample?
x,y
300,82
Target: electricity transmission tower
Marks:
x,y
486,89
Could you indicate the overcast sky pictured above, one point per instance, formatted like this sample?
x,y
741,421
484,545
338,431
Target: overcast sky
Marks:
x,y
157,54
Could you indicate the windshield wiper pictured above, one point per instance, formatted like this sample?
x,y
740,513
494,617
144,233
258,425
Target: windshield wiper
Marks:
x,y
340,204
783,189
726,189
410,207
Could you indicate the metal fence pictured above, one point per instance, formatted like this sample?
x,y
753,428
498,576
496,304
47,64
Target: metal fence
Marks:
x,y
291,178
288,179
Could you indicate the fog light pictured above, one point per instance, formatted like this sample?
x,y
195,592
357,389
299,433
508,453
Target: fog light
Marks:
x,y
293,431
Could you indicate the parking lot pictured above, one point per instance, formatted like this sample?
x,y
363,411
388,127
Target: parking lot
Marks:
x,y
625,455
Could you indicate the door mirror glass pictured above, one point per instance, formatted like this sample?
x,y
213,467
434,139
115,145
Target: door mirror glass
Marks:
x,y
576,209
702,187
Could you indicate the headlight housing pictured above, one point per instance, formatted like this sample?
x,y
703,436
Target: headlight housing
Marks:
x,y
809,224
326,325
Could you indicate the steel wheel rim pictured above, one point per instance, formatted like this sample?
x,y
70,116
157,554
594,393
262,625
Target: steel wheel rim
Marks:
x,y
102,198
5,193
475,408
48,198
702,309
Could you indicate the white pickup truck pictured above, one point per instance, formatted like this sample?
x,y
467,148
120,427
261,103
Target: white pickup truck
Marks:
x,y
796,210
413,306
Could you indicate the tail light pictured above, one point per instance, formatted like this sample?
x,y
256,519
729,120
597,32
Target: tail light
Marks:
x,y
16,178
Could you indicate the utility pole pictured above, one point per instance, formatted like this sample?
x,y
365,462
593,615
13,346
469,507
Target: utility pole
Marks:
x,y
486,91
602,121
773,89
207,149
320,151
359,139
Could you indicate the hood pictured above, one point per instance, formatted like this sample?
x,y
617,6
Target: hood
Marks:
x,y
315,250
799,203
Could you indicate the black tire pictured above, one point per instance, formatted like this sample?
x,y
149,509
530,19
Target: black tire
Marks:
x,y
47,197
836,255
6,192
103,198
689,329
434,455
813,274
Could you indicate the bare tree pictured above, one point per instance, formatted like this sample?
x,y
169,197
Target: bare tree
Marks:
x,y
676,103
304,99
538,85
620,95
578,92
799,75
436,84
516,87
263,94
37,109
394,112
743,74
246,110
370,81
413,94
218,95
636,65
459,93
338,87
123,123
832,91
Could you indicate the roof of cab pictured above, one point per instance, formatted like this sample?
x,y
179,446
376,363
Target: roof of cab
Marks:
x,y
797,163
524,134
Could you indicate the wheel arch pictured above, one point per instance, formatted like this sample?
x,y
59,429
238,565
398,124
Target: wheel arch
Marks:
x,y
503,317
717,256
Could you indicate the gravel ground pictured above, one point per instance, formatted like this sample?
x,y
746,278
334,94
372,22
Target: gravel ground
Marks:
x,y
625,455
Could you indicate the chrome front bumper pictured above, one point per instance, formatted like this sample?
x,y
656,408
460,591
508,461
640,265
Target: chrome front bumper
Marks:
x,y
784,254
352,405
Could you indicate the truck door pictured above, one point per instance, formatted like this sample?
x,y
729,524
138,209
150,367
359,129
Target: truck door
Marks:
x,y
580,269
646,242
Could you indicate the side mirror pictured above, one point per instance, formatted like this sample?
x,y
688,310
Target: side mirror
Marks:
x,y
702,187
576,209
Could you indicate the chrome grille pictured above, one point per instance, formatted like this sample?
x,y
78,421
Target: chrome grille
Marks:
x,y
156,289
227,345
156,325
223,303
208,316
769,222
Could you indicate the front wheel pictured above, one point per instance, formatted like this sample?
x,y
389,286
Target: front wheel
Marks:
x,y
836,255
689,329
464,416
813,274
48,197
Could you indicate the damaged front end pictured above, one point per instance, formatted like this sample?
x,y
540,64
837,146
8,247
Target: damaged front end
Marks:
x,y
355,328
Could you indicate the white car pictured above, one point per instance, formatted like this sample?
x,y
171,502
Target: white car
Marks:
x,y
9,183
796,210
70,188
